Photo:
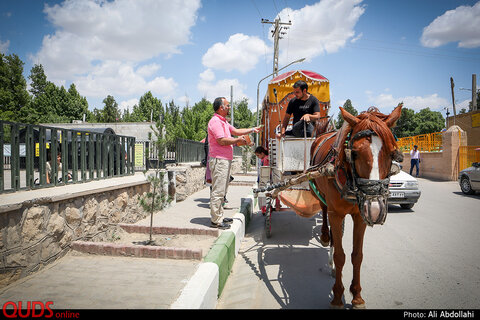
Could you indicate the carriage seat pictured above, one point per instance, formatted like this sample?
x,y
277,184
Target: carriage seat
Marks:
x,y
321,126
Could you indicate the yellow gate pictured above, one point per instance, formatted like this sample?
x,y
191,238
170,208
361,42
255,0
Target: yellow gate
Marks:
x,y
467,155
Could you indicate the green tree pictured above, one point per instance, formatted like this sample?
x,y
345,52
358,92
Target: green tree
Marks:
x,y
157,197
173,123
39,80
96,115
110,110
406,124
148,108
51,103
243,117
195,120
13,88
347,106
76,105
428,121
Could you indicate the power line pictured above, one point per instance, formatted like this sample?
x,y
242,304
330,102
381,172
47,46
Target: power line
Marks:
x,y
403,51
255,5
413,53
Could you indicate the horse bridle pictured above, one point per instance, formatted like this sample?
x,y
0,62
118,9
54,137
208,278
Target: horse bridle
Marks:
x,y
366,191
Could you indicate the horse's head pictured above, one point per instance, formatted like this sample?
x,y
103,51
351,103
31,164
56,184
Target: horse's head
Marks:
x,y
368,152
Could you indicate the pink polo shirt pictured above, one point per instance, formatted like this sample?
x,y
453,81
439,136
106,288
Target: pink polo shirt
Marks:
x,y
218,127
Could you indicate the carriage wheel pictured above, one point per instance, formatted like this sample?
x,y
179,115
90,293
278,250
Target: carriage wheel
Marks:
x,y
268,220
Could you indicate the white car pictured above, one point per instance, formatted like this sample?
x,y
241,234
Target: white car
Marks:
x,y
403,190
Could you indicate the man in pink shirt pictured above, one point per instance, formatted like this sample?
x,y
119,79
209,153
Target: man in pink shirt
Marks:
x,y
220,144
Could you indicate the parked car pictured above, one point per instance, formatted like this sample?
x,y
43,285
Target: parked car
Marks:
x,y
403,190
469,179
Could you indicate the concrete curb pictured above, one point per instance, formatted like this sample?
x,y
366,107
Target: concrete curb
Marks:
x,y
206,285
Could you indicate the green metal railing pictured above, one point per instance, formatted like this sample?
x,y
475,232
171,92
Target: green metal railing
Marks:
x,y
84,156
194,151
189,151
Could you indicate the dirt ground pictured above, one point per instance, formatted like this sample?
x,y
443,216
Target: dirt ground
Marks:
x,y
203,242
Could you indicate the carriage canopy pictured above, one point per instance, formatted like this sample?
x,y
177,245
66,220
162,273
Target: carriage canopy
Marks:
x,y
272,116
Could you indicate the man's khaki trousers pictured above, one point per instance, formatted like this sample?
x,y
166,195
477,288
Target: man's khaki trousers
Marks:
x,y
220,171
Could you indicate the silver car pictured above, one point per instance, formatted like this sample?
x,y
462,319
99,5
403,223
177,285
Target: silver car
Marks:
x,y
403,190
469,179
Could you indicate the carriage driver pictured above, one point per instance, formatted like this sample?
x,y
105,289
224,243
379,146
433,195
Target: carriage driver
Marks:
x,y
305,107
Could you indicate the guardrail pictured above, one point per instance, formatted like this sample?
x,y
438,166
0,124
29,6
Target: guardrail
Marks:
x,y
28,155
431,142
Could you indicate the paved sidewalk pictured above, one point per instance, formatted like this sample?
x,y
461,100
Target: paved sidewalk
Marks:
x,y
81,281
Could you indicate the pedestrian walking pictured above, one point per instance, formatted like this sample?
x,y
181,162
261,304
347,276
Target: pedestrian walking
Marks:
x,y
415,159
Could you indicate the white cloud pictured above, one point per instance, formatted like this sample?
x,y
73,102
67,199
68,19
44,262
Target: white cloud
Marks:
x,y
386,102
207,75
323,27
460,25
240,52
117,78
211,90
148,70
4,46
128,104
461,105
357,38
94,37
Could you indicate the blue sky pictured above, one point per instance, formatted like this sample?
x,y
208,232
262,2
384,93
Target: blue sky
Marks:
x,y
374,52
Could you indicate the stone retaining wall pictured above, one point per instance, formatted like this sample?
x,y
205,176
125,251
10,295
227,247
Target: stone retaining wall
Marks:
x,y
36,235
39,231
190,177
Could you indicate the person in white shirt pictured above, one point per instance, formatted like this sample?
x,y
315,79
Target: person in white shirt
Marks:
x,y
414,159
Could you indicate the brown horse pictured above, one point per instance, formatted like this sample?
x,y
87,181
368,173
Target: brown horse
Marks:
x,y
362,153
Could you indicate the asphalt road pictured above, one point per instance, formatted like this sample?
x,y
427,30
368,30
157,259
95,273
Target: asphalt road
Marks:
x,y
427,257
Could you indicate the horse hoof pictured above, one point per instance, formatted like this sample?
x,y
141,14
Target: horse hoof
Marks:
x,y
324,243
336,306
358,306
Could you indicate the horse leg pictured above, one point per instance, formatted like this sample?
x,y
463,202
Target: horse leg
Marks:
x,y
325,236
338,258
357,256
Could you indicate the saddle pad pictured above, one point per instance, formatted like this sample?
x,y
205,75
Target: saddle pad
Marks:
x,y
303,202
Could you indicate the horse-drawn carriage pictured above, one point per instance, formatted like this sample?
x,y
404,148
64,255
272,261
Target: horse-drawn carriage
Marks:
x,y
336,172
288,155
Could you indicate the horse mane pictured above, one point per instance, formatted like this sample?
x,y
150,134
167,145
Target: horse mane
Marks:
x,y
371,119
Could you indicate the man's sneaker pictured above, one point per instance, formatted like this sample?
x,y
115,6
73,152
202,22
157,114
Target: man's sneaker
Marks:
x,y
221,225
227,220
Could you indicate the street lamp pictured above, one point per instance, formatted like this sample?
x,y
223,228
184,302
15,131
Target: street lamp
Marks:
x,y
258,92
258,86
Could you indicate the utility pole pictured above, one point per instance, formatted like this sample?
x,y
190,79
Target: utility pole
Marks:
x,y
276,34
231,103
452,85
474,92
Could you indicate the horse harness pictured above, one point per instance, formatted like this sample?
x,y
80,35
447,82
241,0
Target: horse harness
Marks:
x,y
353,188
